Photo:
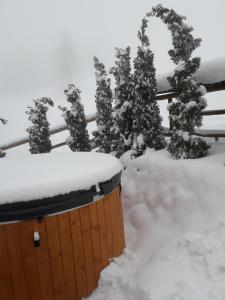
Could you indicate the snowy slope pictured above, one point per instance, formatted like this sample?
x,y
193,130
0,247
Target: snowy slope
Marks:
x,y
175,230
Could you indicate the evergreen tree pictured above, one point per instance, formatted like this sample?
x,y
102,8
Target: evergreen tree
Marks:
x,y
146,115
122,116
2,153
103,136
39,136
76,121
185,113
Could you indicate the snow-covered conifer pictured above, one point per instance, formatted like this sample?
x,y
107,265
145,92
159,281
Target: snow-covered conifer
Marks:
x,y
39,137
2,153
185,113
76,121
103,136
146,115
124,93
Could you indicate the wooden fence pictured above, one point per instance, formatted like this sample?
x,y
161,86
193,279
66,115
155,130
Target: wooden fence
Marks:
x,y
168,95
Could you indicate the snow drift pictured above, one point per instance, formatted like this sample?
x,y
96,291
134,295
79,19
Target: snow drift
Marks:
x,y
175,230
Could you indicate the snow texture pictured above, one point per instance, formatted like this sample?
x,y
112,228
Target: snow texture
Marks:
x,y
39,176
175,230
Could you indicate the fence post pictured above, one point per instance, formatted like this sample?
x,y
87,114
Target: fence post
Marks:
x,y
170,100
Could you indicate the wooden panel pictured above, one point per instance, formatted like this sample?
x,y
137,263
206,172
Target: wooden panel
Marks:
x,y
67,255
16,261
29,260
6,287
55,255
78,252
109,237
88,252
43,261
115,226
95,240
120,218
102,232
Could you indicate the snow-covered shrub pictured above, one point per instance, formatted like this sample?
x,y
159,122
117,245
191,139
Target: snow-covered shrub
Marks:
x,y
146,115
39,136
76,121
185,113
103,136
124,93
2,153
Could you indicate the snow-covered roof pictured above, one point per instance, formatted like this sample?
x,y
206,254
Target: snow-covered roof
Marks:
x,y
210,72
46,175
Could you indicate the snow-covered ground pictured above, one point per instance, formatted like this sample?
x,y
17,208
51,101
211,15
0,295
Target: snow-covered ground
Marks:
x,y
174,214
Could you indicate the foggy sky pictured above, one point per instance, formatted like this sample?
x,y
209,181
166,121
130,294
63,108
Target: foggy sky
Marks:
x,y
47,43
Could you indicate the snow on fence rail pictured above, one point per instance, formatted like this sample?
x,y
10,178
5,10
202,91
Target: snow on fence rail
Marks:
x,y
211,74
214,133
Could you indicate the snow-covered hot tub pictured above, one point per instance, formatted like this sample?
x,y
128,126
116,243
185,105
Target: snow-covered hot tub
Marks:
x,y
60,224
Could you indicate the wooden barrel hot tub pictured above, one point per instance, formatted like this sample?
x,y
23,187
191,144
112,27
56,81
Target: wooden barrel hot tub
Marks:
x,y
58,231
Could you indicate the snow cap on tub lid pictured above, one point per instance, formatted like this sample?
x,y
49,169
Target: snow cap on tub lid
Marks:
x,y
46,175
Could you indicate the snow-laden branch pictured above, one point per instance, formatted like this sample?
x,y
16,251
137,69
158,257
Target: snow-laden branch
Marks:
x,y
211,73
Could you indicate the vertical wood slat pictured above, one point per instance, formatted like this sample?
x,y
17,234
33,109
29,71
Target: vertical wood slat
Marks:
x,y
29,260
16,262
95,241
120,218
78,252
102,233
88,252
6,287
67,256
109,237
115,226
43,261
55,255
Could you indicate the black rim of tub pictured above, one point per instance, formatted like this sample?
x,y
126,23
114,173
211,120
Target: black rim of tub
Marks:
x,y
27,210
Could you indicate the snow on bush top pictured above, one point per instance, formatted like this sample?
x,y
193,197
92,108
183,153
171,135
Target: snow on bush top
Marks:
x,y
46,175
212,71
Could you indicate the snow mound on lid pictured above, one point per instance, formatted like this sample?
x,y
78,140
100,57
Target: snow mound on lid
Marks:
x,y
46,175
175,230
